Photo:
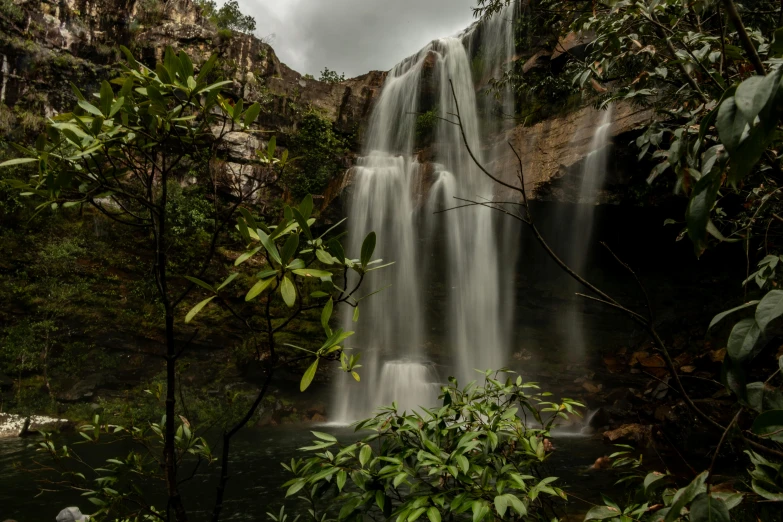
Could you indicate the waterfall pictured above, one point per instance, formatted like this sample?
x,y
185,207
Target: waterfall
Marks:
x,y
581,234
459,252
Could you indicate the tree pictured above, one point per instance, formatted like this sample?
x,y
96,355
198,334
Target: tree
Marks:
x,y
228,16
120,150
330,76
121,156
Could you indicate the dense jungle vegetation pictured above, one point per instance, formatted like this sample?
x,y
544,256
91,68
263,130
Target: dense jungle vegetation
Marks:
x,y
128,210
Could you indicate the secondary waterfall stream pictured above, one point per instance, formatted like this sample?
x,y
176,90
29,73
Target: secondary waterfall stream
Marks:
x,y
396,195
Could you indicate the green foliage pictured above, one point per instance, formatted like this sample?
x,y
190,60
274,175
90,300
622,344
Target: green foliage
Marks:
x,y
330,76
298,268
228,16
473,456
426,123
318,150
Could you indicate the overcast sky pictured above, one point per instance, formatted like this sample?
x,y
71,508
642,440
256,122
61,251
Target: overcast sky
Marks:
x,y
354,36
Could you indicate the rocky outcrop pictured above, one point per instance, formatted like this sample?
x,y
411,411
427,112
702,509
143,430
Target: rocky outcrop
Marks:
x,y
553,150
46,44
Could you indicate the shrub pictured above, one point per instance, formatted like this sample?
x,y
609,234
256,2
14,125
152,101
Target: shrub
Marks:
x,y
318,151
474,454
330,76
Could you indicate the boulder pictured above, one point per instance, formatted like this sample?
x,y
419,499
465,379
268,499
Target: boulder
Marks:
x,y
630,433
83,390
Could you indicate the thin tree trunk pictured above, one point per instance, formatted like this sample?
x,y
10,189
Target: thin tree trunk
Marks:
x,y
747,44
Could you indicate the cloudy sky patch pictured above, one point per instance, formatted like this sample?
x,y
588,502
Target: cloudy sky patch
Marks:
x,y
354,36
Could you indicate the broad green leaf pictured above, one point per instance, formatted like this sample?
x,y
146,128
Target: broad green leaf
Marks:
x,y
258,288
480,510
708,509
602,513
652,480
368,247
324,436
769,425
270,247
17,161
731,124
324,257
685,496
312,272
307,378
433,514
769,309
247,255
718,318
207,68
302,222
306,206
288,291
341,478
326,314
753,94
271,146
743,339
295,487
699,207
415,514
356,314
200,283
364,454
107,97
289,248
196,309
89,107
251,114
227,280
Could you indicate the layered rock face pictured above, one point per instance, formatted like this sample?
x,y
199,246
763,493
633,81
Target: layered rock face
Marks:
x,y
44,45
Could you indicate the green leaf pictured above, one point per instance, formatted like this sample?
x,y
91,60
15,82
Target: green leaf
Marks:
x,y
302,221
311,272
324,436
289,248
336,249
196,309
653,480
270,247
708,509
364,454
753,94
326,314
258,288
718,318
356,314
207,68
288,291
602,513
731,124
295,487
341,478
769,425
769,309
17,161
685,496
480,510
368,247
251,114
271,146
324,257
200,283
306,206
249,219
307,378
247,255
107,97
227,281
699,207
90,108
433,514
744,337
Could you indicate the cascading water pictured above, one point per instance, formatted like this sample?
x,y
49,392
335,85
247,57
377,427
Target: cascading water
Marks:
x,y
388,197
593,179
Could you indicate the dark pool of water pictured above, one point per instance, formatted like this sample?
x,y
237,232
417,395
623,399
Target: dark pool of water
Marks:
x,y
256,473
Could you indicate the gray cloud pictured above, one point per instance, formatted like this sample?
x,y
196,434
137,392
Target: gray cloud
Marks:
x,y
354,36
